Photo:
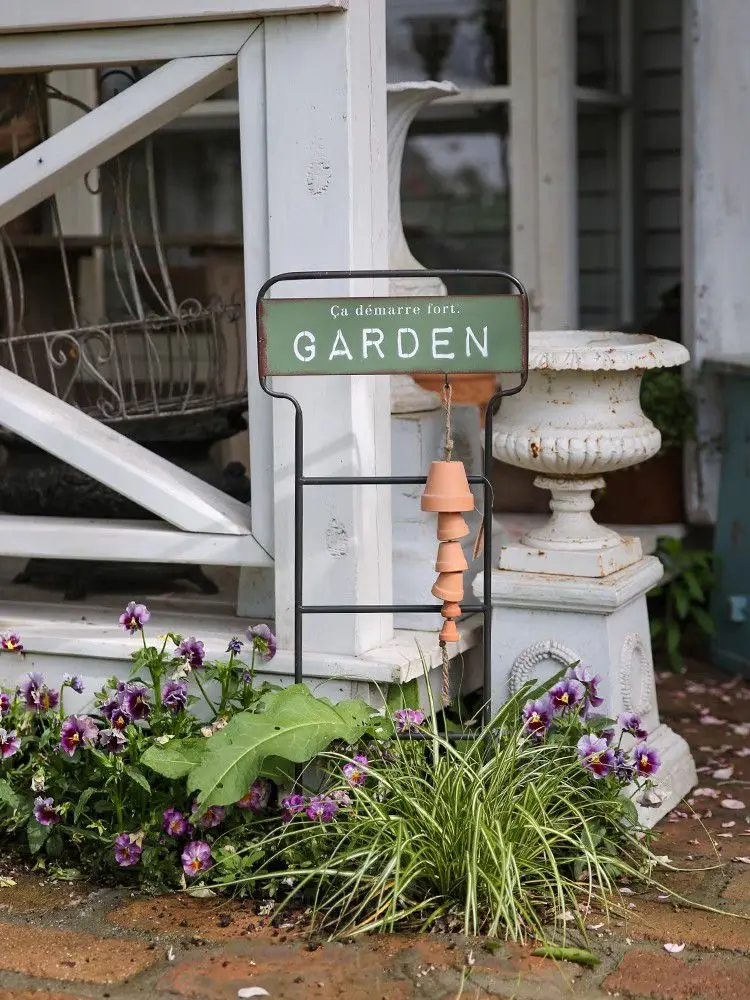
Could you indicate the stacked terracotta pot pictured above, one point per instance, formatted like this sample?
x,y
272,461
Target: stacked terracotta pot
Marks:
x,y
447,494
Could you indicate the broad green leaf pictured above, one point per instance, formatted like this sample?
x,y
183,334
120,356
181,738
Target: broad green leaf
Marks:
x,y
176,758
82,801
682,602
704,619
138,777
579,955
693,586
295,726
37,835
7,796
403,696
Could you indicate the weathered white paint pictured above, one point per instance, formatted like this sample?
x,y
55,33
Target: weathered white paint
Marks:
x,y
125,541
543,158
578,418
327,192
252,103
716,217
121,46
78,639
543,623
126,467
80,203
49,15
109,129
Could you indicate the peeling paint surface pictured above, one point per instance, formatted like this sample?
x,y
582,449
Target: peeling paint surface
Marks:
x,y
337,538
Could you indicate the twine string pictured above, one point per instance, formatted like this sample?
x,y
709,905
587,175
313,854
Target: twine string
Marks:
x,y
447,398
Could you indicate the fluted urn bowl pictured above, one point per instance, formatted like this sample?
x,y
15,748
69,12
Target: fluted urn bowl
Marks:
x,y
580,417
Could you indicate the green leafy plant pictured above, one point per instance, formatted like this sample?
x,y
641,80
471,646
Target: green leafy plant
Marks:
x,y
500,834
669,404
682,598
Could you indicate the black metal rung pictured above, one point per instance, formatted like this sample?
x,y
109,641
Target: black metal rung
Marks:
x,y
376,480
384,609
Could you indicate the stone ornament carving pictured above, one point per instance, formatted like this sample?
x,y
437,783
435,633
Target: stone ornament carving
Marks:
x,y
636,675
404,102
579,417
530,658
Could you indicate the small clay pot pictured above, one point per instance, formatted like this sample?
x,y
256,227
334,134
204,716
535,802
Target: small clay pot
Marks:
x,y
449,587
451,610
449,632
451,526
451,558
447,488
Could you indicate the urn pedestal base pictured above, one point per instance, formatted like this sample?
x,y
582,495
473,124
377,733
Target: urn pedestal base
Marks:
x,y
571,543
544,622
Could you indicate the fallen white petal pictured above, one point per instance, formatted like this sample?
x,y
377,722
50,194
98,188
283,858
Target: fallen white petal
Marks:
x,y
706,793
663,895
742,752
743,861
673,949
729,824
170,954
732,804
626,891
710,720
724,834
258,991
723,773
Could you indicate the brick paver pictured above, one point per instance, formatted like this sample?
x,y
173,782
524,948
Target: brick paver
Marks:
x,y
645,973
70,956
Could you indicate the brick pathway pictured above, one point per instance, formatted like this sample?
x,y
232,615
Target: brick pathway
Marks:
x,y
67,942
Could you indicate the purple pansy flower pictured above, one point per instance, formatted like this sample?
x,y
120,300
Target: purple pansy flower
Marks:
x,y
11,642
135,701
235,645
77,731
292,805
174,696
647,760
75,683
9,743
193,651
128,849
596,756
322,807
355,771
196,857
537,716
36,694
257,797
590,682
566,694
114,712
4,703
263,641
112,740
45,811
341,797
624,768
408,719
175,824
210,818
631,723
134,617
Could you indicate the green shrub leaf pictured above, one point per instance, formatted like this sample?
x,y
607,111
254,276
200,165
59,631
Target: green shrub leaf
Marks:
x,y
139,778
579,955
7,796
176,758
295,726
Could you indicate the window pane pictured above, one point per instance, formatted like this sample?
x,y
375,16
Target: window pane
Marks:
x,y
455,190
465,41
599,219
597,43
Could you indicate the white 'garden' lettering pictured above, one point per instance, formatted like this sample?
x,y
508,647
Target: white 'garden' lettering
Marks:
x,y
309,348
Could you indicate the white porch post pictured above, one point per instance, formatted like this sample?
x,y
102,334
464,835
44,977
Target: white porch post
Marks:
x,y
327,209
716,215
544,189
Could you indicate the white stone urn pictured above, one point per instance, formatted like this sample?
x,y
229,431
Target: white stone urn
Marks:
x,y
578,418
405,100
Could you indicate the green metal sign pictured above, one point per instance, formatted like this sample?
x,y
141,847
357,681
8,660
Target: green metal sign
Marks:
x,y
341,336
